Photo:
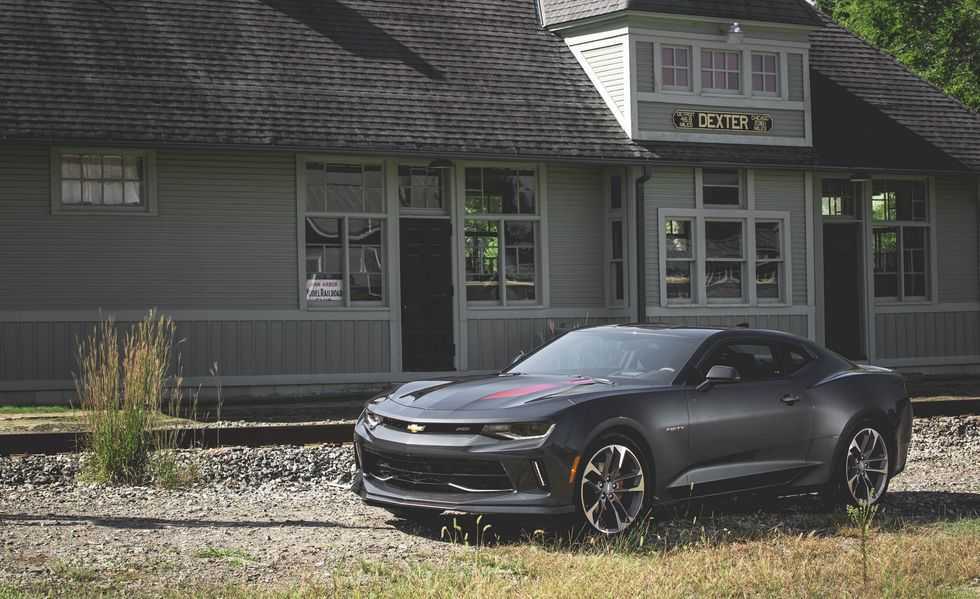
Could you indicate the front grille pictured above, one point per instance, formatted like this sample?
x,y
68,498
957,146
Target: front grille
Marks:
x,y
439,427
437,474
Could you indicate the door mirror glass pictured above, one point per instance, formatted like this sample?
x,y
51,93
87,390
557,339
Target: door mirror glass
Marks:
x,y
719,375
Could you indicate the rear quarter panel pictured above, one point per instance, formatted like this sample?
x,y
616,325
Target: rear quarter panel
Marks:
x,y
842,401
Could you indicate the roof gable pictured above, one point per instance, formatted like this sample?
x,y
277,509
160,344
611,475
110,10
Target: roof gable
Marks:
x,y
790,12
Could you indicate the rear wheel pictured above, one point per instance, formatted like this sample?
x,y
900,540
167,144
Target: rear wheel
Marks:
x,y
612,486
862,469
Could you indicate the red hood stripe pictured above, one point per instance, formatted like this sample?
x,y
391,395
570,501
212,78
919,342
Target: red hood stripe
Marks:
x,y
522,391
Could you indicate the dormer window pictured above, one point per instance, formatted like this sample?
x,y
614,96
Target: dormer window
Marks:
x,y
675,67
765,78
721,71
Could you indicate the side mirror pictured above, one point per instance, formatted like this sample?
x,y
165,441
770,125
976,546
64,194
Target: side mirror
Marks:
x,y
719,375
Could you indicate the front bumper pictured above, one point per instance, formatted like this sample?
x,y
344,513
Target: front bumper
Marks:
x,y
462,473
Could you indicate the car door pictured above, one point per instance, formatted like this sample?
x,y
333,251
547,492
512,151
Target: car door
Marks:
x,y
752,433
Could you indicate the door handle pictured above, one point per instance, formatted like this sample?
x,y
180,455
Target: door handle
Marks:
x,y
790,399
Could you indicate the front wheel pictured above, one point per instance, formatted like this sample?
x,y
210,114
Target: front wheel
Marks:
x,y
613,485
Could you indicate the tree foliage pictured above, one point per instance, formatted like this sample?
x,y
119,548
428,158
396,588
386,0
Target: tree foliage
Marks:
x,y
937,39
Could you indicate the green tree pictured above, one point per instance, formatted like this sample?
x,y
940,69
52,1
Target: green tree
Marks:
x,y
937,39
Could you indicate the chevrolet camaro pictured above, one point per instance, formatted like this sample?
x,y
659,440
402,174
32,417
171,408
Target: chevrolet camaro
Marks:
x,y
605,422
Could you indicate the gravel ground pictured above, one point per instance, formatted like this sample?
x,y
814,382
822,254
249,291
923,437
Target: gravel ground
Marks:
x,y
283,514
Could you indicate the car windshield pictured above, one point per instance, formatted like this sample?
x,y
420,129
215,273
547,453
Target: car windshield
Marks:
x,y
654,355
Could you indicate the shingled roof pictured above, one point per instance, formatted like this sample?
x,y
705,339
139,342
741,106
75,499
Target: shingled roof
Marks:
x,y
794,12
845,62
460,77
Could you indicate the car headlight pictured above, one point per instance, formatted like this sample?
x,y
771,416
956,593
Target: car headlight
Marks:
x,y
519,430
371,419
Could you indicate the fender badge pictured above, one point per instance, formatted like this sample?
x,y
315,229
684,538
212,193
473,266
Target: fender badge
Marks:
x,y
674,429
415,428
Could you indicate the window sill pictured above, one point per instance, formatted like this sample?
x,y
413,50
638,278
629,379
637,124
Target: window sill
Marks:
x,y
102,211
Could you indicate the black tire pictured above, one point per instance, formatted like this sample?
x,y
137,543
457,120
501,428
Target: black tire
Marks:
x,y
641,511
837,493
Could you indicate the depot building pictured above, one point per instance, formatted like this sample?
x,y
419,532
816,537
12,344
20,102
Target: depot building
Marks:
x,y
333,195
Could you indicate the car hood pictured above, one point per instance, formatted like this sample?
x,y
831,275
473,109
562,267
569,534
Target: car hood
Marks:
x,y
492,392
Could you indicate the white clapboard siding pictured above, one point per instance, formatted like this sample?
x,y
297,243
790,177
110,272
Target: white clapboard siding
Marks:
x,y
575,233
607,64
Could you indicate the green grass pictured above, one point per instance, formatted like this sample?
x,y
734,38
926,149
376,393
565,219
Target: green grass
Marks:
x,y
35,410
236,556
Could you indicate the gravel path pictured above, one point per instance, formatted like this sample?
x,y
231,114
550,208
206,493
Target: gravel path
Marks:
x,y
280,514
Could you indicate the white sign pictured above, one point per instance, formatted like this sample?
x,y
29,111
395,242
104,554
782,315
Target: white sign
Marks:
x,y
324,290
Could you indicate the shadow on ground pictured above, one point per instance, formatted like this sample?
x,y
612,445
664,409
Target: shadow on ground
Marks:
x,y
721,520
159,523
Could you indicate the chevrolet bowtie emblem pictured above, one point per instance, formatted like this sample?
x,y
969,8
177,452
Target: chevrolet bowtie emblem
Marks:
x,y
415,428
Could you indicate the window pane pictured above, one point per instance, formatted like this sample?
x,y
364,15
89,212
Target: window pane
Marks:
x,y
679,240
616,280
679,280
324,261
501,190
365,237
134,193
520,260
839,197
721,196
527,188
615,192
112,167
112,193
421,186
914,243
71,166
682,79
768,241
71,192
667,56
768,278
668,77
133,168
899,200
343,188
92,166
617,239
482,256
723,239
681,57
720,177
724,280
886,262
92,192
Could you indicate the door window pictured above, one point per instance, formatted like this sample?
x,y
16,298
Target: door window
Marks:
x,y
753,361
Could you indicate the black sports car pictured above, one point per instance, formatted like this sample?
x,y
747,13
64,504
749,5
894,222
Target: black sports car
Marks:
x,y
604,421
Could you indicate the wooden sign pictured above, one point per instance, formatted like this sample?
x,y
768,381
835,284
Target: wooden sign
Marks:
x,y
723,121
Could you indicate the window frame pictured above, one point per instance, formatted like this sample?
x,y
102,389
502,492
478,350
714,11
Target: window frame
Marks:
x,y
613,215
660,67
538,218
740,72
742,175
777,74
147,208
750,255
347,304
928,224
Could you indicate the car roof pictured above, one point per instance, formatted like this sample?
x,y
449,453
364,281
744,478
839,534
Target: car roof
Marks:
x,y
702,331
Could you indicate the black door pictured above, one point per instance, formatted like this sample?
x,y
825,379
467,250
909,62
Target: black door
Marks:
x,y
427,295
748,434
842,294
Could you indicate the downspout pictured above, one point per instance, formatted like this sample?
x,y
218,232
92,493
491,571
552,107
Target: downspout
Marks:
x,y
641,248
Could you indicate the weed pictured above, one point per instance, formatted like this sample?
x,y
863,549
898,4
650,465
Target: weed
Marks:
x,y
862,517
238,557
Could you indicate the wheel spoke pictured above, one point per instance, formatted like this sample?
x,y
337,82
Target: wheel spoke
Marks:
x,y
875,470
590,468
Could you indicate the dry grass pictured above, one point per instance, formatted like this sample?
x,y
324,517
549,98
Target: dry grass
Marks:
x,y
124,386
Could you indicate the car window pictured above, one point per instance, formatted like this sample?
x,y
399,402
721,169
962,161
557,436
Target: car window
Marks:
x,y
794,359
753,361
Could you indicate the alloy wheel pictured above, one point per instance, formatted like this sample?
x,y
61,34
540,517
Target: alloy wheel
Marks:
x,y
866,466
612,489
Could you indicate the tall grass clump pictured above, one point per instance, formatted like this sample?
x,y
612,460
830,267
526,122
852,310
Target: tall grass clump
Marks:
x,y
122,387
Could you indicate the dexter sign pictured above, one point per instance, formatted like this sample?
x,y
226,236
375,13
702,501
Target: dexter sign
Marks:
x,y
723,121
